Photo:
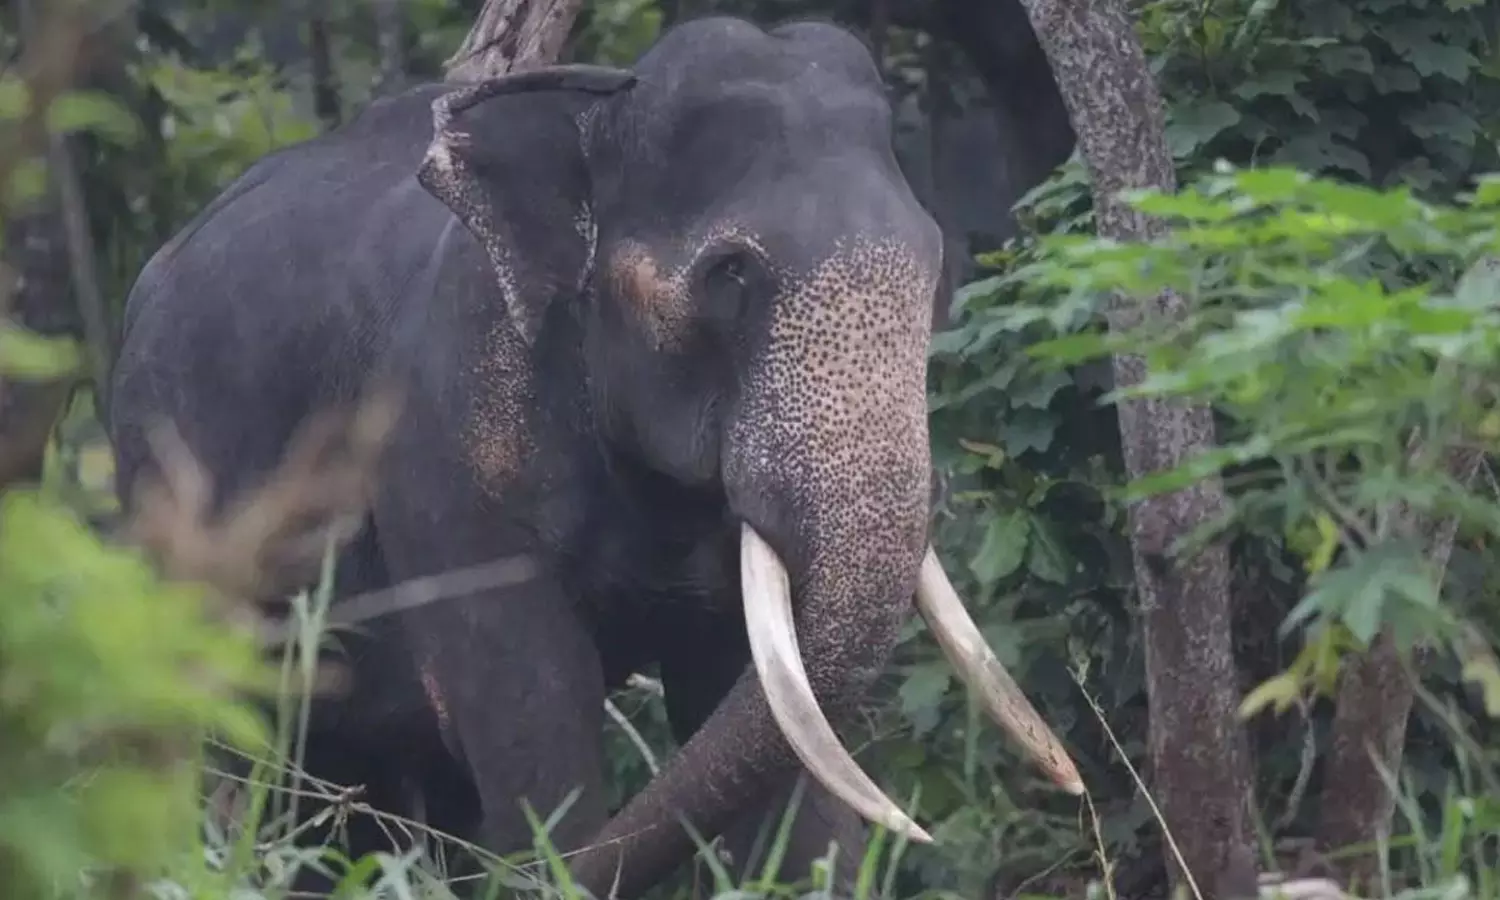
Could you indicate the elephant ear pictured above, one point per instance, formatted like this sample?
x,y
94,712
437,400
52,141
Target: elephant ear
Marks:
x,y
507,158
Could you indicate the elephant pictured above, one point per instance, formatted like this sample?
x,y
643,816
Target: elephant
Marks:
x,y
662,329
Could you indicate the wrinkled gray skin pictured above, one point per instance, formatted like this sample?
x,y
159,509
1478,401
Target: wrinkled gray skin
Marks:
x,y
695,301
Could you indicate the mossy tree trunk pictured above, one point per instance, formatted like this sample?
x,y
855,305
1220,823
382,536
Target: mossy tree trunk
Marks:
x,y
1199,761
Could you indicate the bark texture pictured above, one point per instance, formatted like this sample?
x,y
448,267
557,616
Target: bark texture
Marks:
x,y
513,36
390,37
36,287
48,251
1198,754
320,61
1374,703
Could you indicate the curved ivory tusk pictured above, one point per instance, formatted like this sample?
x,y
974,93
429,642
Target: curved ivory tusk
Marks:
x,y
773,645
965,647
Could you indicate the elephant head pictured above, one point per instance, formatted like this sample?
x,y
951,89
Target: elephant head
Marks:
x,y
724,236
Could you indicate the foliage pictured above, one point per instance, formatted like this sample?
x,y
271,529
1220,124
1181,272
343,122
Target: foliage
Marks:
x,y
1340,315
1348,386
110,678
110,681
1394,95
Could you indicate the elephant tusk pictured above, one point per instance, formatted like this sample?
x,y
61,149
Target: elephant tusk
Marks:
x,y
773,645
965,647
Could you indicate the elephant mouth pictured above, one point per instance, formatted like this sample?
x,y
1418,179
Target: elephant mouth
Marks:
x,y
769,621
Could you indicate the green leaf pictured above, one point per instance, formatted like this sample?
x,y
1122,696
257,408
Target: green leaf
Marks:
x,y
1276,82
1280,691
1027,429
1319,151
15,98
1397,79
1003,547
1046,557
1483,673
1196,468
974,291
29,356
1438,119
28,182
1194,124
93,111
1073,348
949,343
1416,42
921,694
1337,60
1037,392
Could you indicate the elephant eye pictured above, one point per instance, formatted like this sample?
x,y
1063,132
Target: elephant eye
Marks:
x,y
726,286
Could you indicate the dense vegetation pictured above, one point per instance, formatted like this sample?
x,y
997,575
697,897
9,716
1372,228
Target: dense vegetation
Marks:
x,y
1335,249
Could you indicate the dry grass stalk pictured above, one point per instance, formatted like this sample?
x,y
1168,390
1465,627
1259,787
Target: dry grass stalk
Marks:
x,y
271,539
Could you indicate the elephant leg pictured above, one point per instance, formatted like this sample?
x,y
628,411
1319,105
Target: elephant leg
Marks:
x,y
512,677
520,703
704,660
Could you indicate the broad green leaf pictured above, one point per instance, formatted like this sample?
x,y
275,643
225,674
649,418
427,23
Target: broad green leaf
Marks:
x,y
29,356
1444,120
982,289
1194,124
1046,556
1073,348
1037,392
1028,429
921,695
1416,43
1191,205
1003,547
1277,82
93,111
1337,60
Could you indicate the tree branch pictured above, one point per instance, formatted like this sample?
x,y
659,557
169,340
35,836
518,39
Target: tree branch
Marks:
x,y
513,36
1198,754
320,60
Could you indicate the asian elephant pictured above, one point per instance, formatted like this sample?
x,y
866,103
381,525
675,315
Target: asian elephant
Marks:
x,y
662,329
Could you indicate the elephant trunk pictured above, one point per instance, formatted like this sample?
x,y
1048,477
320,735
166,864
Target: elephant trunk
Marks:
x,y
826,465
824,599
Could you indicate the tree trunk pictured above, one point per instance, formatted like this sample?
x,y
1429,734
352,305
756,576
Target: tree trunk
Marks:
x,y
320,61
48,250
1198,756
390,38
513,35
1374,702
36,290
